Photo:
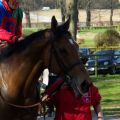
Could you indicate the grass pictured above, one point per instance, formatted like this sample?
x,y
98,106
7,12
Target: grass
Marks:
x,y
88,43
105,78
110,92
109,87
27,31
88,36
112,112
83,31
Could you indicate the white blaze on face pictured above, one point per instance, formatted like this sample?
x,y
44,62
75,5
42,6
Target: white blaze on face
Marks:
x,y
71,41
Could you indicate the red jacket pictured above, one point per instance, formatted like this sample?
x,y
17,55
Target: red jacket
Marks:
x,y
10,28
69,107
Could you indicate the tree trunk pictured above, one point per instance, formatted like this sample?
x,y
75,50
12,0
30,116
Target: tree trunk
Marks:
x,y
63,10
72,10
111,16
28,22
75,18
111,13
88,14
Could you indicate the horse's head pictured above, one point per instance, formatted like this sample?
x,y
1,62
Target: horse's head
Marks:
x,y
64,58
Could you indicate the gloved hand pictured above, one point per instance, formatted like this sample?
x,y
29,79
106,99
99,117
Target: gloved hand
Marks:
x,y
20,38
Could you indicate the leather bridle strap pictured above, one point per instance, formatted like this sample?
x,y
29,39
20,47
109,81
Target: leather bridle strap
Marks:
x,y
64,69
61,64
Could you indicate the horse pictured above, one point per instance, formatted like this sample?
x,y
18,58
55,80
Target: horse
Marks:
x,y
22,63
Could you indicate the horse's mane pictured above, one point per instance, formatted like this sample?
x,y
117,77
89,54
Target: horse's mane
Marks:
x,y
19,46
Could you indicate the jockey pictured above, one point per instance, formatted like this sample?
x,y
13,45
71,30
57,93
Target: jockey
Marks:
x,y
10,22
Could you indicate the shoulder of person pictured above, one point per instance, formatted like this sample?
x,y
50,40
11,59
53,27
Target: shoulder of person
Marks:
x,y
19,9
93,88
2,10
1,6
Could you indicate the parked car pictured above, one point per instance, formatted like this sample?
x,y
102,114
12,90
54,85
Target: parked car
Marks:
x,y
106,61
85,52
45,8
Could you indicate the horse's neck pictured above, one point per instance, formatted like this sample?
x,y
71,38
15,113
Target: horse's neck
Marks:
x,y
20,71
13,84
33,77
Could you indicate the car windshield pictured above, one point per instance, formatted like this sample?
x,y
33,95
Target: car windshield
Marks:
x,y
102,55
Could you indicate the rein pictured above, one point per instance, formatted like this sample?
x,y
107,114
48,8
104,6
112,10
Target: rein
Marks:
x,y
21,106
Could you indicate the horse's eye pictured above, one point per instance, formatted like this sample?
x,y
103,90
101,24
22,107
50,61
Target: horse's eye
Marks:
x,y
62,50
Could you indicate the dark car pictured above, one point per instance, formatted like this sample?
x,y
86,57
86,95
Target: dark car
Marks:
x,y
106,61
84,51
84,54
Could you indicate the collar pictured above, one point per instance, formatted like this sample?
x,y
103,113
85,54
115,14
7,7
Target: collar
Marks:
x,y
7,6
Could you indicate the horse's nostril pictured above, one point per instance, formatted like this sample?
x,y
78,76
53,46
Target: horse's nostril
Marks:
x,y
85,86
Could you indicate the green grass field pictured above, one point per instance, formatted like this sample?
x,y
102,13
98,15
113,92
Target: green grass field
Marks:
x,y
27,31
88,43
110,93
88,35
83,31
109,87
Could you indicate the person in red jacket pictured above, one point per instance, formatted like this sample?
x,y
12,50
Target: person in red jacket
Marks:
x,y
10,22
71,107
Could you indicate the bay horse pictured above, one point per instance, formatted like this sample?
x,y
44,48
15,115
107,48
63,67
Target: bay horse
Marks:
x,y
22,63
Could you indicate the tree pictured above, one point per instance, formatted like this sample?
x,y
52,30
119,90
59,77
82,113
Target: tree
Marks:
x,y
87,5
27,5
88,12
63,10
111,15
72,10
75,18
113,5
109,4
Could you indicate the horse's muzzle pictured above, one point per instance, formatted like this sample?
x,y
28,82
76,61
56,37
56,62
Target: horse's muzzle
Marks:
x,y
85,86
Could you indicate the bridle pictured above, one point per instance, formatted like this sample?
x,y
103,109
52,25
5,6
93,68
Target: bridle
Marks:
x,y
65,69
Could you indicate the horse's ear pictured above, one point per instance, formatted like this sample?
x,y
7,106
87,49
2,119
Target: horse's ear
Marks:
x,y
54,23
67,24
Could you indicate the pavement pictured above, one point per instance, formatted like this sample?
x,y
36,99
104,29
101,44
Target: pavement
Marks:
x,y
93,118
107,118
